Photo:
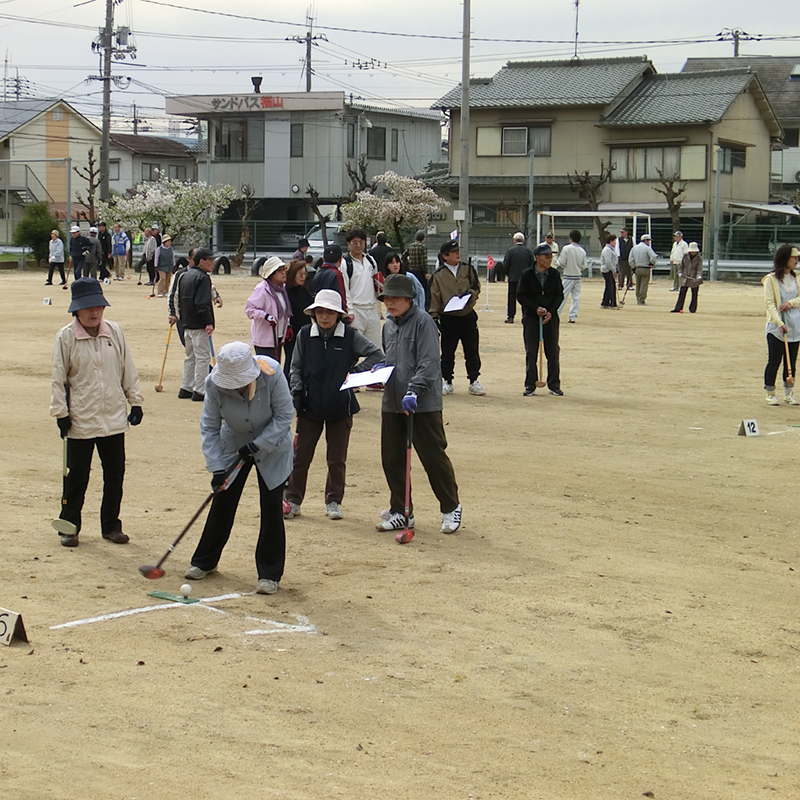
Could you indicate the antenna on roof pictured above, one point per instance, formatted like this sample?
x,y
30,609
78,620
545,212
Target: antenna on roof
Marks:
x,y
577,4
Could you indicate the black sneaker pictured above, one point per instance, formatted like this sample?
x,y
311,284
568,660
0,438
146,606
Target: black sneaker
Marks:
x,y
68,540
509,320
197,397
528,392
118,537
184,394
557,392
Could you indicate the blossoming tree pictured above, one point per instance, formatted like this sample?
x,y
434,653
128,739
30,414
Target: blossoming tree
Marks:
x,y
404,205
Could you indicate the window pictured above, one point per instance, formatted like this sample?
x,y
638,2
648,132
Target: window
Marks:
x,y
113,170
540,140
645,163
58,114
177,172
394,143
351,140
728,158
296,140
150,172
376,143
515,141
792,137
230,140
497,215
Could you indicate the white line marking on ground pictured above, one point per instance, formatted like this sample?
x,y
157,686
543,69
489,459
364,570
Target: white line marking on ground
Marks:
x,y
304,626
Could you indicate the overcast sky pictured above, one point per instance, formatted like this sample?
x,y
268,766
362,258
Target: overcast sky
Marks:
x,y
181,51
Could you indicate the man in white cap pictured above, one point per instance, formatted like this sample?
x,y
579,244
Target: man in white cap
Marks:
x,y
247,417
324,353
679,249
516,260
93,255
642,260
78,245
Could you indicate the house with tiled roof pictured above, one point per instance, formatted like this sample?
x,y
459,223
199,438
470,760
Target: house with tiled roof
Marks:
x,y
574,115
134,158
780,77
37,136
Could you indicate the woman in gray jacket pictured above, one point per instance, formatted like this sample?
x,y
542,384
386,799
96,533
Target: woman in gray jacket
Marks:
x,y
691,276
247,414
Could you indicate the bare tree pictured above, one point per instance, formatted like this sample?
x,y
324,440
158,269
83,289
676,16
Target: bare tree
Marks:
x,y
588,187
673,192
313,203
248,205
359,180
91,175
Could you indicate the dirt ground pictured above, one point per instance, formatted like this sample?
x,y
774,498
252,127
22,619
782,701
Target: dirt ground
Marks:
x,y
616,617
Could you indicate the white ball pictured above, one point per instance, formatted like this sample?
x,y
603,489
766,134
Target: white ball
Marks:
x,y
186,590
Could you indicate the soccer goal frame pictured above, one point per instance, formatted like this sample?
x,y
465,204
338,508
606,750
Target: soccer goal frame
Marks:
x,y
552,215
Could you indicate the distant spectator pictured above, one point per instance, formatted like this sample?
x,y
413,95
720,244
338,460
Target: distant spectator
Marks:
x,y
380,249
624,247
93,254
302,249
329,276
643,259
56,259
679,249
516,260
104,237
299,294
418,263
393,265
78,245
608,267
359,272
691,276
572,260
165,264
120,248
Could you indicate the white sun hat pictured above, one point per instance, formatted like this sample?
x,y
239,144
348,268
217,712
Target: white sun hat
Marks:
x,y
272,264
326,298
236,366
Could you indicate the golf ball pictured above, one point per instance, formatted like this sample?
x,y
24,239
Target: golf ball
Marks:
x,y
186,590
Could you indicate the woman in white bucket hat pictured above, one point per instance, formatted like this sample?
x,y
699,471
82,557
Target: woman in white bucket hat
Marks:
x,y
269,309
247,414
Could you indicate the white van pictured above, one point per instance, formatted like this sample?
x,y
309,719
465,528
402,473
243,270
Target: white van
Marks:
x,y
315,243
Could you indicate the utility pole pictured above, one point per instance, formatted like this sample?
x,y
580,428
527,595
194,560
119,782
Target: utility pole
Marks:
x,y
105,144
577,5
135,121
463,181
737,35
308,40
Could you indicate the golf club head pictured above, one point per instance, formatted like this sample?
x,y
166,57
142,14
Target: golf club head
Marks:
x,y
151,573
159,388
541,384
404,537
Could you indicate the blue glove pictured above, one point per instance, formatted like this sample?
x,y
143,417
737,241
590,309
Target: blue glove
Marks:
x,y
135,417
377,367
410,402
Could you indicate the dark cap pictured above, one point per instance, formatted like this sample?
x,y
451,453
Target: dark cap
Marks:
x,y
397,286
86,293
542,250
201,254
332,254
448,247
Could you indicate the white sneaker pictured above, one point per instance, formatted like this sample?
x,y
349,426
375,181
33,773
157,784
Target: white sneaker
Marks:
x,y
266,586
790,399
197,574
476,389
334,511
772,400
452,522
393,522
290,510
447,388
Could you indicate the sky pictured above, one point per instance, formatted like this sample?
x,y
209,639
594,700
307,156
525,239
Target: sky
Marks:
x,y
404,54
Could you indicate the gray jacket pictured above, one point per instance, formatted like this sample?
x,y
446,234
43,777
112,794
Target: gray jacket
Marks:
x,y
411,344
642,255
230,421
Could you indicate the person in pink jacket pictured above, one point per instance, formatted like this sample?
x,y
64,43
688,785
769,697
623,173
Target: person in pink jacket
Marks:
x,y
269,309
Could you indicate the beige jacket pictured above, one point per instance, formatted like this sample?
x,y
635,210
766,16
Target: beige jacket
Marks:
x,y
772,299
101,377
445,285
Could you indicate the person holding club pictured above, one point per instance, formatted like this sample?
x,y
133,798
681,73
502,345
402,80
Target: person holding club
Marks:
x,y
247,416
782,301
411,344
94,379
540,293
270,309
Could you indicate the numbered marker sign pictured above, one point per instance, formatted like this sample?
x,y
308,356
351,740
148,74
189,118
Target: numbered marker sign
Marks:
x,y
749,427
11,627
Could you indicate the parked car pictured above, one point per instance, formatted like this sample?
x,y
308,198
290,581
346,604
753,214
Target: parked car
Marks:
x,y
315,244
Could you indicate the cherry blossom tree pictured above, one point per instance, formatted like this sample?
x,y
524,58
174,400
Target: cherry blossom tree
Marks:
x,y
404,205
183,209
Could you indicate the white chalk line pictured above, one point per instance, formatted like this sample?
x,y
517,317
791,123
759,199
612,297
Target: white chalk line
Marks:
x,y
304,626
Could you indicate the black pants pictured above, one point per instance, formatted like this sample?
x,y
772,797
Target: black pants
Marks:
x,y
105,263
512,299
610,291
151,271
267,351
271,546
288,352
776,350
431,445
77,267
111,450
56,265
337,437
530,332
682,299
465,330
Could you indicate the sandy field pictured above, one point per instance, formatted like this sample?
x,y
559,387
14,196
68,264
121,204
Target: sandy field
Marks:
x,y
617,617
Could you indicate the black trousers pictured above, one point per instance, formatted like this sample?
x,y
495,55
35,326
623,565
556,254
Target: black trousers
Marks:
x,y
77,267
610,291
105,263
111,450
431,445
56,265
151,271
271,545
337,437
268,351
682,299
530,332
776,351
512,299
465,330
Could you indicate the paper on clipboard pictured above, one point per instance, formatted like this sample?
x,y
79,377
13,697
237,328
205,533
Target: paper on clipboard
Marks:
x,y
457,303
367,378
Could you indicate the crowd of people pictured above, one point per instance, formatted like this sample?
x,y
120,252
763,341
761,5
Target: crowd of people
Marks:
x,y
307,337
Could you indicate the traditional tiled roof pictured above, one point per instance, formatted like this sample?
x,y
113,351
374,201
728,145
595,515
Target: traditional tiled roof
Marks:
x,y
580,82
152,145
688,98
774,72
